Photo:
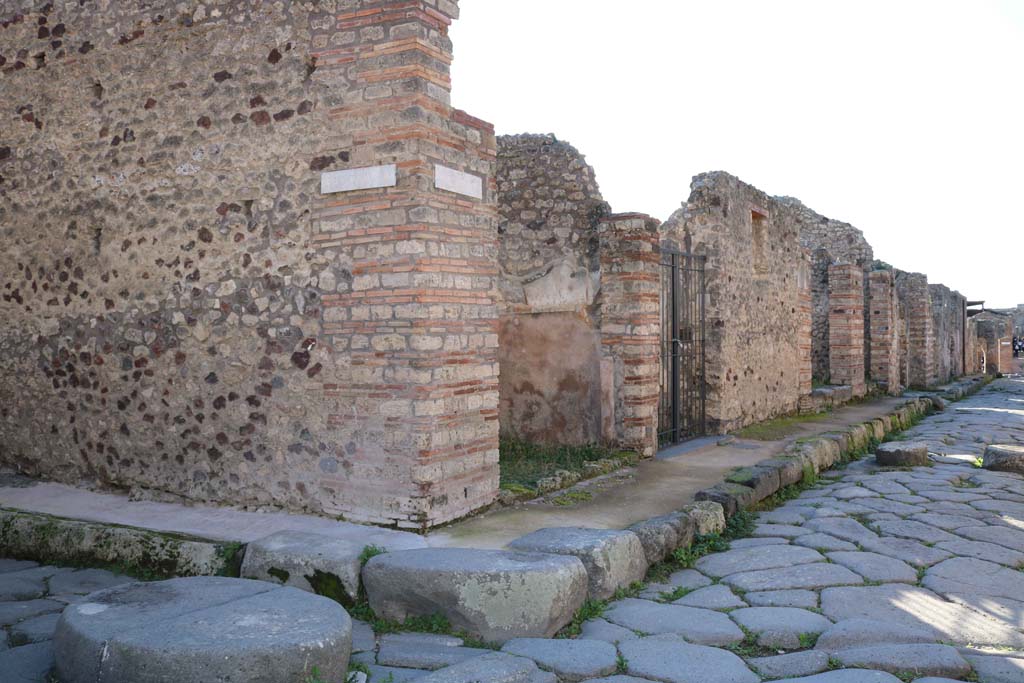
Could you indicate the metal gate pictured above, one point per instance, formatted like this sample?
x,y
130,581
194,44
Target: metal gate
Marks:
x,y
681,410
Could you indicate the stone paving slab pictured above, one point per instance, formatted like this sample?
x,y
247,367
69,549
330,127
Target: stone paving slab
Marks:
x,y
674,661
700,626
570,660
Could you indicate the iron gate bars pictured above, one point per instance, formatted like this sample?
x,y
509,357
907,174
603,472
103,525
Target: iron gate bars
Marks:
x,y
681,408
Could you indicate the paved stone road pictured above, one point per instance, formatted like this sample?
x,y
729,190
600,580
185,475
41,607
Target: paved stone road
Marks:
x,y
915,573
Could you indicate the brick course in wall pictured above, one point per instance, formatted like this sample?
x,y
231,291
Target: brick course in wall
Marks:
x,y
187,316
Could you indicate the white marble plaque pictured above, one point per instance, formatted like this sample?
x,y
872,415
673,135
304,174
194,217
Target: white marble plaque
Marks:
x,y
358,179
458,182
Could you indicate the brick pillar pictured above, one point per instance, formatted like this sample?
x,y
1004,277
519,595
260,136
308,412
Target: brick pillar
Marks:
x,y
883,312
412,215
630,327
805,325
846,326
917,303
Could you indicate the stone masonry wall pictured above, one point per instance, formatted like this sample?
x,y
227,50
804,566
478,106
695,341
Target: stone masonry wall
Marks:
x,y
830,242
883,314
846,326
550,347
948,316
758,289
916,308
187,315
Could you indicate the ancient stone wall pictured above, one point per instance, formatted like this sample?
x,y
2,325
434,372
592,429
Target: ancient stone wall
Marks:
x,y
758,294
548,251
949,318
846,326
995,334
195,309
830,242
883,314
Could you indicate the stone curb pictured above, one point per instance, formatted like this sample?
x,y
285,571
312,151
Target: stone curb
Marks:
x,y
139,552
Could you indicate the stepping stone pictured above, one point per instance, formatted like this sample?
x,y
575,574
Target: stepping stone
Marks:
x,y
909,551
1004,458
780,627
674,661
808,576
201,628
613,559
570,660
753,559
28,663
793,664
86,581
969,576
494,666
914,530
902,454
996,669
493,594
787,598
711,597
919,608
875,567
857,633
843,528
305,561
13,612
601,629
989,552
700,626
920,660
34,630
823,542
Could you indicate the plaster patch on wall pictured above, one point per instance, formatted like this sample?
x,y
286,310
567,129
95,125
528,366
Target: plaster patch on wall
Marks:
x,y
352,179
458,182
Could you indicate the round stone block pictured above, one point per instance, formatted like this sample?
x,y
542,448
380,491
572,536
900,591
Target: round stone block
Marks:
x,y
902,454
202,629
1004,458
494,594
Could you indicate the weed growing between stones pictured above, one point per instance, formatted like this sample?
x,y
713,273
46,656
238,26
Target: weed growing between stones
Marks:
x,y
749,647
524,464
571,498
779,428
594,609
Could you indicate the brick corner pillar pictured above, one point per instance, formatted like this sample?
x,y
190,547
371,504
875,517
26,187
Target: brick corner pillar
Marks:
x,y
408,207
630,327
883,316
916,300
846,326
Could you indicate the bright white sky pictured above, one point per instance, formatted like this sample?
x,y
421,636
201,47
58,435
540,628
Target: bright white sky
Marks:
x,y
902,117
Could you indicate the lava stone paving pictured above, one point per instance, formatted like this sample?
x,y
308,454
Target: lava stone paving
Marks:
x,y
874,575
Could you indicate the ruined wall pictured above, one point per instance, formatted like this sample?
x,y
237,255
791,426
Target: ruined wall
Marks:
x,y
883,314
995,334
830,242
916,309
948,320
758,290
187,313
550,343
846,326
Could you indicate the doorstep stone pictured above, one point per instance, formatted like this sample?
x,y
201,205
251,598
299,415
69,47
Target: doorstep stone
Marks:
x,y
613,559
201,628
902,454
309,562
496,595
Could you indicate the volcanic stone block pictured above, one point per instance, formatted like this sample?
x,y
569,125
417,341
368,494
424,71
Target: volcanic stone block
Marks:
x,y
613,559
763,480
902,454
493,594
201,629
708,517
732,497
1004,458
309,562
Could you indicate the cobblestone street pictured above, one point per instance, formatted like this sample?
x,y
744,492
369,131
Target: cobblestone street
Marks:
x,y
913,574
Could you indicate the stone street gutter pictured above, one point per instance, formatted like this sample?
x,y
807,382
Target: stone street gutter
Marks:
x,y
142,553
